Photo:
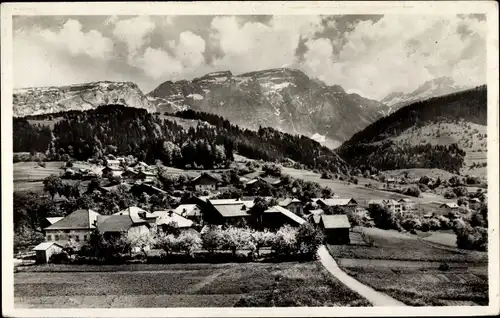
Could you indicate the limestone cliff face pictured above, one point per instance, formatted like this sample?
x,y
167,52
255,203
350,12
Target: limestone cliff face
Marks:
x,y
45,100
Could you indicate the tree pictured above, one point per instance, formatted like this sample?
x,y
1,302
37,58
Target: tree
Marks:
x,y
53,185
212,238
261,239
309,239
383,217
412,191
285,242
257,211
326,193
188,242
142,241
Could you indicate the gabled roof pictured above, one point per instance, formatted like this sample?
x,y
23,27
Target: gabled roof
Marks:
x,y
54,219
248,203
134,212
204,176
45,246
278,209
80,219
231,207
165,217
475,200
337,202
288,201
317,212
337,221
188,209
405,200
118,223
149,186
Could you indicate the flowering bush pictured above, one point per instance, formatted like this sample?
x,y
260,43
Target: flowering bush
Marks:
x,y
285,242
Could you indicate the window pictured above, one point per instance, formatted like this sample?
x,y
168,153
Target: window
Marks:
x,y
56,237
77,238
85,237
49,237
70,237
66,231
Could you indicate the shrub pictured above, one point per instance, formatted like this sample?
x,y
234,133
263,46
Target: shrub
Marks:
x,y
272,170
411,223
424,180
285,242
413,191
69,164
444,267
309,238
59,258
449,194
262,239
460,191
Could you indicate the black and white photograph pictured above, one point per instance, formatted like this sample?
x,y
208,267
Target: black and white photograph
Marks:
x,y
333,160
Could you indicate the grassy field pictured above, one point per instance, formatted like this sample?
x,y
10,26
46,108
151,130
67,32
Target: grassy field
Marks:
x,y
184,285
408,269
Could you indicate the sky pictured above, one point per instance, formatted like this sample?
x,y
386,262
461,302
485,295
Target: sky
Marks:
x,y
369,55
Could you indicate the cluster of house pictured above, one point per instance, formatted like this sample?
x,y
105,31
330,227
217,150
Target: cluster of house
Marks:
x,y
78,225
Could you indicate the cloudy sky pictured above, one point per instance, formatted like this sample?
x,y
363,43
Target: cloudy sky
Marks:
x,y
369,55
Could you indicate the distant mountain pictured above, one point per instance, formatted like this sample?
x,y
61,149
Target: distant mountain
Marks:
x,y
285,99
433,88
54,99
446,132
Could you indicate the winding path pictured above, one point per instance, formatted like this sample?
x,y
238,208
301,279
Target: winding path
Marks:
x,y
374,297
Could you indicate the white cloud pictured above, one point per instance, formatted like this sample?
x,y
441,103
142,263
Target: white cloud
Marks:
x,y
254,45
72,39
398,53
134,32
190,49
157,63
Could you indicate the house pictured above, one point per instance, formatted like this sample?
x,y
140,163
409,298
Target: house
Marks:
x,y
76,226
390,180
140,165
138,189
45,250
406,204
315,216
115,188
189,211
129,173
138,213
277,216
448,207
204,182
349,203
387,203
49,221
227,211
336,228
146,176
292,204
111,171
165,218
128,225
272,181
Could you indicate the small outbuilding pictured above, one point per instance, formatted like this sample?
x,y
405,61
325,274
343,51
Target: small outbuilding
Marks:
x,y
45,250
336,228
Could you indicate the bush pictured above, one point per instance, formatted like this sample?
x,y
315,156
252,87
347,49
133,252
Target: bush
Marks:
x,y
413,191
309,238
383,218
411,223
449,194
471,238
444,267
262,239
460,191
212,238
285,242
59,258
272,170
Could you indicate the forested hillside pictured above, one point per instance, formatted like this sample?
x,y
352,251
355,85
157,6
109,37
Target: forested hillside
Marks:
x,y
376,147
120,130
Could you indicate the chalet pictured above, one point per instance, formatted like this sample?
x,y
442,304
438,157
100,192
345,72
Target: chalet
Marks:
x,y
146,176
406,204
336,228
277,216
111,171
189,211
138,189
129,173
45,250
292,204
164,219
448,207
76,225
344,203
117,225
204,182
138,213
227,211
387,203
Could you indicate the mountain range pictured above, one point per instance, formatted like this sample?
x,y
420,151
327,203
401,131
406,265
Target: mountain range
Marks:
x,y
285,99
433,88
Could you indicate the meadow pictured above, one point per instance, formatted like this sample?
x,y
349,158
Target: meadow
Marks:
x,y
182,285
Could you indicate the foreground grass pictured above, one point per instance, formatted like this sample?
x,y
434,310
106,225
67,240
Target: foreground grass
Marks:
x,y
392,245
180,285
425,287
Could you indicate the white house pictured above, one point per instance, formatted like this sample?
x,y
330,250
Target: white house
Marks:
x,y
204,182
76,226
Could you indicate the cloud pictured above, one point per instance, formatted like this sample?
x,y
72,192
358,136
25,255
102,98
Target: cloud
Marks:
x,y
398,53
190,49
254,45
72,39
134,32
157,63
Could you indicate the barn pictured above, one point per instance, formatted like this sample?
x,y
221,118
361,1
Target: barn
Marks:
x,y
336,228
45,250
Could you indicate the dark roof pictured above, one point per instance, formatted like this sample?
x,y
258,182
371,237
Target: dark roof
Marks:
x,y
116,223
80,219
204,176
